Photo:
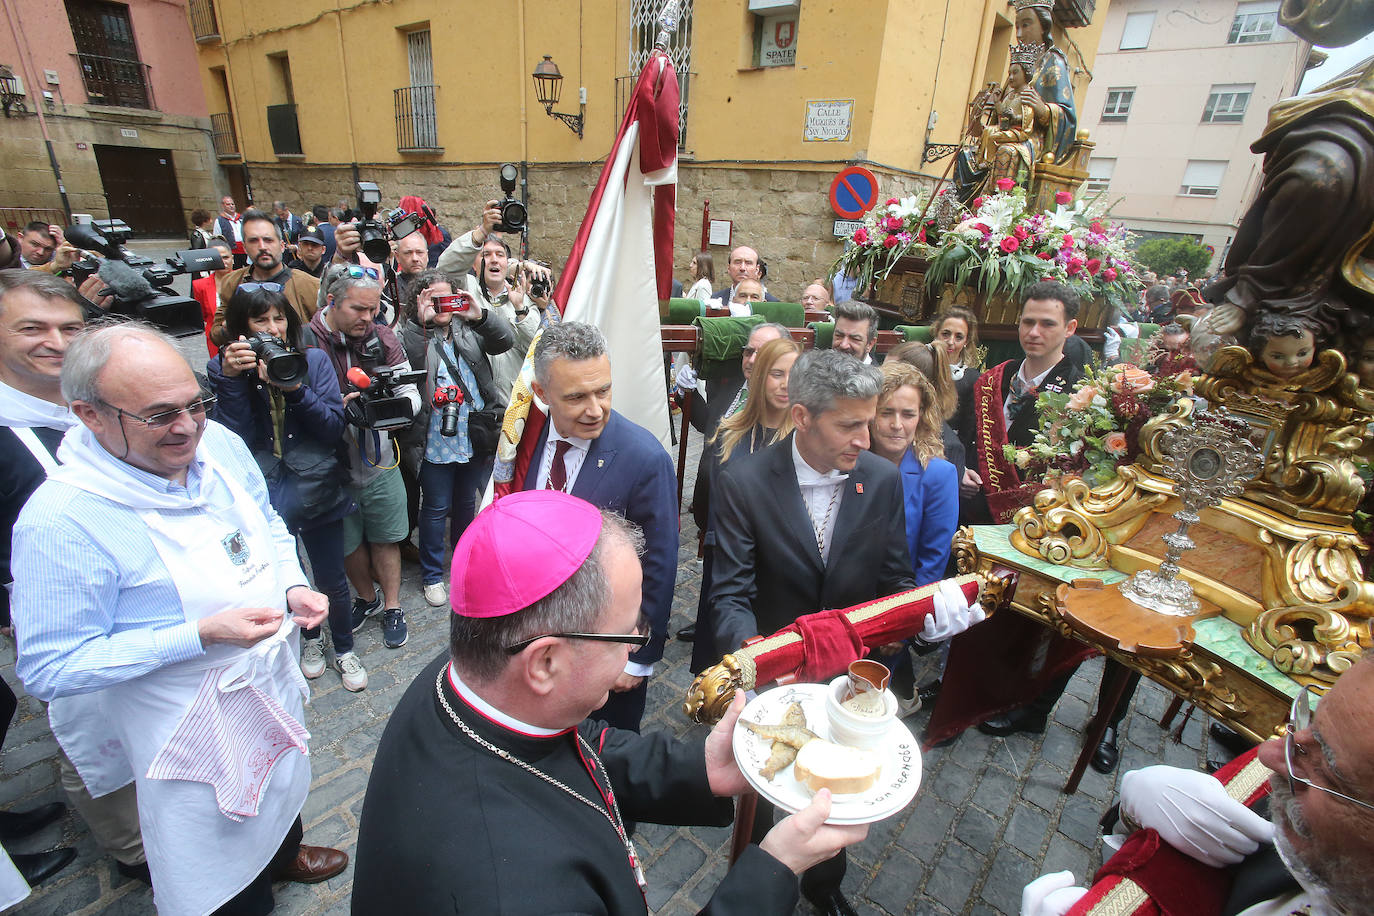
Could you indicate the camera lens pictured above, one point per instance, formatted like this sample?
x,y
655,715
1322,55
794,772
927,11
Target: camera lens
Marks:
x,y
285,367
513,216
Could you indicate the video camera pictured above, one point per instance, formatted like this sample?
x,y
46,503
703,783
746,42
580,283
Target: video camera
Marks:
x,y
285,367
141,287
514,216
377,235
379,406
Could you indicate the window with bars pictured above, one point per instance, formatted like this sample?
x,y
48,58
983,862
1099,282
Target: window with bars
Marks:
x,y
1100,173
1118,105
1254,21
107,55
644,25
1227,104
1202,178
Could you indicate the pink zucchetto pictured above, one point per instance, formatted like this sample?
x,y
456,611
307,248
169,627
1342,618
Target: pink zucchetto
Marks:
x,y
519,549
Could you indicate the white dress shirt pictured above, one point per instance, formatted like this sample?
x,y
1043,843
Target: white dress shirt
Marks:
x,y
1032,383
821,494
573,458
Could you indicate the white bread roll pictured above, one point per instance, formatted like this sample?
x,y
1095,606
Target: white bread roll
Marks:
x,y
843,770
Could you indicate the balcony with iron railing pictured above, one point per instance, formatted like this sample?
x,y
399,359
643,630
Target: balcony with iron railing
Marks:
x,y
119,81
417,124
222,135
203,22
625,88
284,130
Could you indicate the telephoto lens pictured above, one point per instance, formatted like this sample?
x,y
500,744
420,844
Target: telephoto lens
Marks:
x,y
285,367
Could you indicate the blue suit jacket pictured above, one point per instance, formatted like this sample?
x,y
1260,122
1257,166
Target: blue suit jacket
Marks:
x,y
628,471
930,496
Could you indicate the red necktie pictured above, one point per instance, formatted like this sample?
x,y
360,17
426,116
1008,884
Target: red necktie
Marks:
x,y
558,471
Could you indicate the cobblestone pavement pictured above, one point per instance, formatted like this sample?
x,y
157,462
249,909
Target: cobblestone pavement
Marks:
x,y
989,816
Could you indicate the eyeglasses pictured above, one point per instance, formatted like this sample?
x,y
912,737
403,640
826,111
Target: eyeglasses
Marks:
x,y
165,418
253,285
1300,720
639,638
357,273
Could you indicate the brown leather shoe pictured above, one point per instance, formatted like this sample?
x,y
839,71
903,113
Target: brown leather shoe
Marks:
x,y
314,864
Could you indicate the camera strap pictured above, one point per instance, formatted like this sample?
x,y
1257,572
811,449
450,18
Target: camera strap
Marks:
x,y
457,375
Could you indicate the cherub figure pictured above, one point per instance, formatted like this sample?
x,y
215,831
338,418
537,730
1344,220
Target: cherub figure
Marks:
x,y
1284,345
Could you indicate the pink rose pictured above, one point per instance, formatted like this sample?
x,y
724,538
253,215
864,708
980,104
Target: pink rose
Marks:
x,y
1021,233
890,242
1045,255
983,228
1063,198
1010,244
1132,380
1115,442
1096,226
1005,184
1068,241
977,203
892,200
860,236
1081,398
1075,266
894,223
1109,274
1094,265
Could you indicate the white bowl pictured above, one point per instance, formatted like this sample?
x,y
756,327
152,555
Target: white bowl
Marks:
x,y
857,731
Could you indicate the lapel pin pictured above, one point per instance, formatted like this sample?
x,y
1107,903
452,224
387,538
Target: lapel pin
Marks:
x,y
859,488
601,462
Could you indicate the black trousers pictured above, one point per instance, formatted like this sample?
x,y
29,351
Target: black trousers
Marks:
x,y
256,899
624,710
8,704
820,880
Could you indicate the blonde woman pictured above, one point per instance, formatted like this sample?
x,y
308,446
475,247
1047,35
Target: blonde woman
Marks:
x,y
929,359
764,419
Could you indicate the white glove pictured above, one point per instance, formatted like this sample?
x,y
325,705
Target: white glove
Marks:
x,y
1193,813
686,378
1051,895
952,614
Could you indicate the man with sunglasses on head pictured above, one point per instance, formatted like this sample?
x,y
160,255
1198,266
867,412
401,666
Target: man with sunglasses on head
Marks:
x,y
262,241
527,804
150,566
1220,856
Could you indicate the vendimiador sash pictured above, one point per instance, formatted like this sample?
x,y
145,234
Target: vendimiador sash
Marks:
x,y
1148,877
1006,491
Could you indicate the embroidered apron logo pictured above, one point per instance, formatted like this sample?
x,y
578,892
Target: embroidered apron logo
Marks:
x,y
236,547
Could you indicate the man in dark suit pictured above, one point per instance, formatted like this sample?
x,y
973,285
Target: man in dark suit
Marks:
x,y
744,265
810,523
590,451
289,223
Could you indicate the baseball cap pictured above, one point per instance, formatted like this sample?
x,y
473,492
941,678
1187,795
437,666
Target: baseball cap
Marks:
x,y
311,235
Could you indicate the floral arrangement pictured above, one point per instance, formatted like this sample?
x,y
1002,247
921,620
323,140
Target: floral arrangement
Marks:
x,y
1010,248
1095,429
888,232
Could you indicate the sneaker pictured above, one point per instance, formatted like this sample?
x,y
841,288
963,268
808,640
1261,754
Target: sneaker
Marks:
x,y
352,670
436,594
365,609
394,627
312,657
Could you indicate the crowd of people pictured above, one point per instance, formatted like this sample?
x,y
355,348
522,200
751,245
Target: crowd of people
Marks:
x,y
156,512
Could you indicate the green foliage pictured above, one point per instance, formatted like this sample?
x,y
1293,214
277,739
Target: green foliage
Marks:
x,y
1167,256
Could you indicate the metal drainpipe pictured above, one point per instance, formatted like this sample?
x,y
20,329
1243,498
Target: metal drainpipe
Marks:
x,y
17,27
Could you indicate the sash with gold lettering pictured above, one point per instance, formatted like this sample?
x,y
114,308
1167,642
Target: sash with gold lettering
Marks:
x,y
1148,877
1006,491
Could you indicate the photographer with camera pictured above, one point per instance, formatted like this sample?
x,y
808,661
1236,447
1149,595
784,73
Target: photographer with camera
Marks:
x,y
488,257
453,440
262,241
284,402
379,397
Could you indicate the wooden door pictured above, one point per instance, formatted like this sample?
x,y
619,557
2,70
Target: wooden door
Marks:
x,y
141,187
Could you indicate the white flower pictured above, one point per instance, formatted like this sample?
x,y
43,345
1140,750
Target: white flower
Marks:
x,y
1075,447
1061,219
1099,401
907,207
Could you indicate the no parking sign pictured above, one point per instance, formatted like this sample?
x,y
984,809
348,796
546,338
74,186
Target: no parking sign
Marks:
x,y
853,192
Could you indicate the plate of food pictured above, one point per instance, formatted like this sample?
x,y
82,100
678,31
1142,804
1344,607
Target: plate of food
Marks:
x,y
785,746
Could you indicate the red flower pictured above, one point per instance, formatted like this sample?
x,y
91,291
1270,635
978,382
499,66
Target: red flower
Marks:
x,y
892,200
1068,241
1109,274
977,203
983,228
1045,255
1075,266
1010,244
1096,226
894,224
1005,184
1094,265
921,236
1021,233
1063,198
860,235
890,242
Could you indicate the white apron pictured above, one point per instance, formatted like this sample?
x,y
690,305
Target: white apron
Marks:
x,y
79,722
200,855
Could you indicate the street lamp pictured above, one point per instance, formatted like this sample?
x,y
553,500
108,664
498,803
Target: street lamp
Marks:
x,y
548,85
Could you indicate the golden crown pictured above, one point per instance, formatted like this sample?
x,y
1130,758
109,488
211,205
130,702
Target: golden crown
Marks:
x,y
1047,5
